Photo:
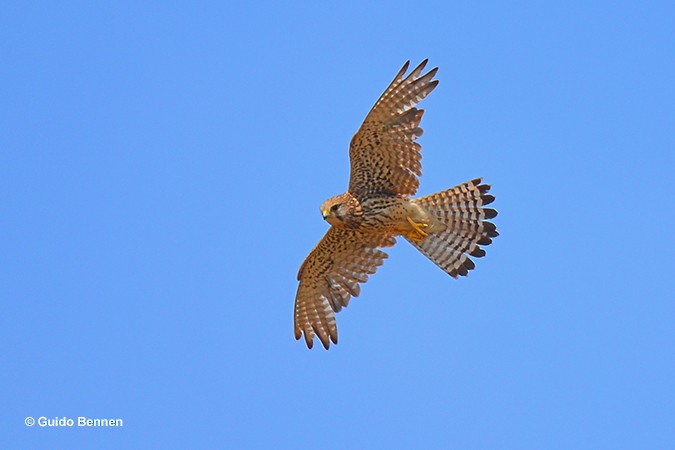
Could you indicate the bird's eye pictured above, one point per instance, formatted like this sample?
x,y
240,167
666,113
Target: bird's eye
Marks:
x,y
334,208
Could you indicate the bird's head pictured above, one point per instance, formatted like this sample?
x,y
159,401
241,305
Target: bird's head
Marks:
x,y
342,210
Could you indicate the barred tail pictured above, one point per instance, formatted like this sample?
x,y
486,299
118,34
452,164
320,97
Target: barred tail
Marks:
x,y
461,212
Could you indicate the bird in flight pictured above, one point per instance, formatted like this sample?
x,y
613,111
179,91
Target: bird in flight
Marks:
x,y
447,227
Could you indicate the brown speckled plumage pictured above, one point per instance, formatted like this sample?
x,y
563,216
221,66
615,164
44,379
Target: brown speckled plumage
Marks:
x,y
447,227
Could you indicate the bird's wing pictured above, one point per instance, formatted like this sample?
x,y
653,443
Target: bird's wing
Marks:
x,y
330,276
385,159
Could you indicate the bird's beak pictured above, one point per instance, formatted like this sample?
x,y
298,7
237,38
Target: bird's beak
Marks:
x,y
324,213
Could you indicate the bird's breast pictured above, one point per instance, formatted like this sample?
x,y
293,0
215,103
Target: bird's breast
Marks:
x,y
385,214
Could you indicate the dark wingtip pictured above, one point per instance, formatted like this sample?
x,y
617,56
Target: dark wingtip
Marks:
x,y
469,264
490,229
477,252
487,199
490,213
484,240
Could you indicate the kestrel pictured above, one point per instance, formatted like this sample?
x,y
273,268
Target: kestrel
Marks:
x,y
385,160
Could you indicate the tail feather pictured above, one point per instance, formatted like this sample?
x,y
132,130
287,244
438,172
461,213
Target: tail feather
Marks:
x,y
461,210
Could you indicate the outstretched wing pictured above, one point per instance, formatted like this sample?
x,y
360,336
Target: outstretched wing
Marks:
x,y
385,159
330,276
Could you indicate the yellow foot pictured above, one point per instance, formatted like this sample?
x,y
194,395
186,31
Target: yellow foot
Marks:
x,y
417,234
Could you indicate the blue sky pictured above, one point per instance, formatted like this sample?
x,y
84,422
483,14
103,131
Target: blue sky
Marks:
x,y
161,172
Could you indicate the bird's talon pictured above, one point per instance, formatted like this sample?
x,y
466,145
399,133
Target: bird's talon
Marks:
x,y
417,234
